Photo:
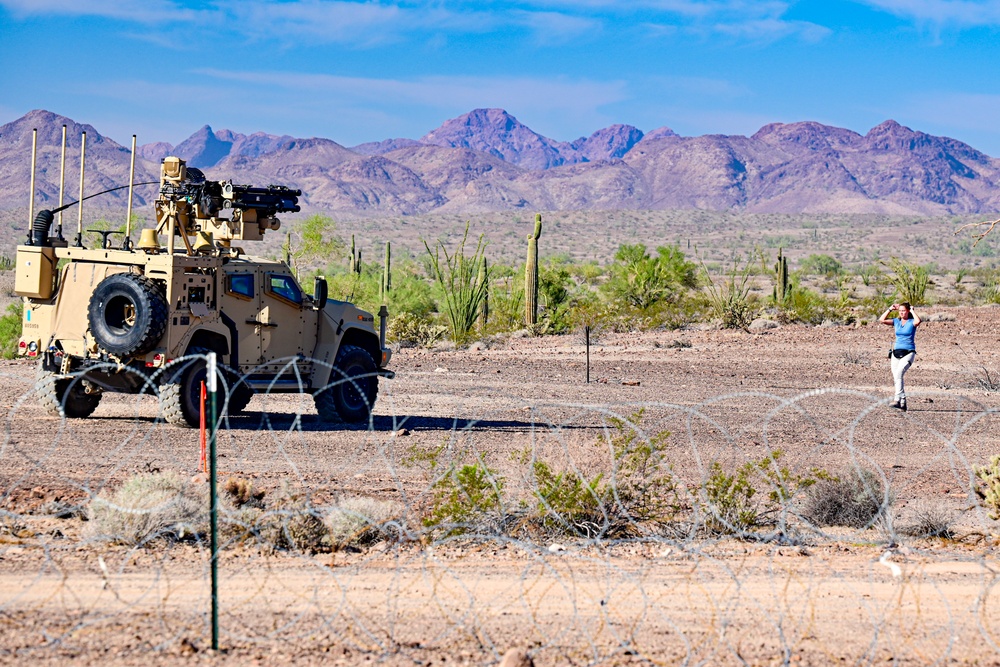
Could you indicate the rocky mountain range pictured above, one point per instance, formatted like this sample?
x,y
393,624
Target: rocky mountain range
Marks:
x,y
486,160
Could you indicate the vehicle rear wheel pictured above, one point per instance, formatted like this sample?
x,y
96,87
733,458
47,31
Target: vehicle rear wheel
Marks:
x,y
350,396
180,393
127,314
65,397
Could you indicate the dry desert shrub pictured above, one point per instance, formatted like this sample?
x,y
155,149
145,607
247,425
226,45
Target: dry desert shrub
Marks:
x,y
148,507
361,521
930,519
856,498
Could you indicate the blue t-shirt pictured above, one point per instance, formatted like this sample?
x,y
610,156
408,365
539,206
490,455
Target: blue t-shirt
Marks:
x,y
905,330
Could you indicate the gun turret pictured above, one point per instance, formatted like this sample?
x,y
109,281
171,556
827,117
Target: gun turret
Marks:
x,y
196,204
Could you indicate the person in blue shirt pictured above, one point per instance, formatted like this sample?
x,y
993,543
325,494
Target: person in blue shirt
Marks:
x,y
904,350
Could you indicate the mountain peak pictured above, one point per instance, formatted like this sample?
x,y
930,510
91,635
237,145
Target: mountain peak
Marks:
x,y
498,133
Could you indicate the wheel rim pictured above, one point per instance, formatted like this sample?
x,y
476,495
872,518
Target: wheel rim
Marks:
x,y
355,390
119,314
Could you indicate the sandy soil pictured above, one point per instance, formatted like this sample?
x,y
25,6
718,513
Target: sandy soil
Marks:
x,y
819,394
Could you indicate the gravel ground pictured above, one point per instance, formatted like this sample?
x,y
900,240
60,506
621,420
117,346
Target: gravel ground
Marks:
x,y
819,394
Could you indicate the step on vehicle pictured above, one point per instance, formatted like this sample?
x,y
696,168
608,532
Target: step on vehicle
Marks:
x,y
143,319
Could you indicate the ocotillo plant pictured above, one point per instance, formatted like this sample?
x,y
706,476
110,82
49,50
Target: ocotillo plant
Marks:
x,y
531,275
484,309
781,289
386,274
458,277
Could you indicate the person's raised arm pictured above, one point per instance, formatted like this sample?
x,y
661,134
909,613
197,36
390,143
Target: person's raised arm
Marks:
x,y
885,319
916,318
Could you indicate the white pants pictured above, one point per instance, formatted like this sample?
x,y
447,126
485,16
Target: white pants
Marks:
x,y
899,368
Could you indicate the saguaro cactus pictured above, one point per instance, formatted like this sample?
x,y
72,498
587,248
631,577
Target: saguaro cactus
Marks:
x,y
484,307
386,274
781,290
531,275
354,261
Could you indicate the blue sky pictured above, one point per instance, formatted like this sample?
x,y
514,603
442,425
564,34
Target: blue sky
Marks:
x,y
365,71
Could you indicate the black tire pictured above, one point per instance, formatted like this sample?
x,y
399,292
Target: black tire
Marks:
x,y
180,392
65,397
239,393
127,314
350,396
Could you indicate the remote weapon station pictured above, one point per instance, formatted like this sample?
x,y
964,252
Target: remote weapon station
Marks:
x,y
139,319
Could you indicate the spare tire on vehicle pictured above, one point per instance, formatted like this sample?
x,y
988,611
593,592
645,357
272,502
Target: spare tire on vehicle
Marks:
x,y
127,314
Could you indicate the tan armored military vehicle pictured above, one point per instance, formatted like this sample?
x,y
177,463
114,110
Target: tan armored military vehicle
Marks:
x,y
127,319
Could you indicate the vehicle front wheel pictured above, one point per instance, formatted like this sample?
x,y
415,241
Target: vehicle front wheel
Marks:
x,y
353,388
65,397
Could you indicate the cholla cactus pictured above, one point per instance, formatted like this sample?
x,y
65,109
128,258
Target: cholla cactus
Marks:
x,y
989,491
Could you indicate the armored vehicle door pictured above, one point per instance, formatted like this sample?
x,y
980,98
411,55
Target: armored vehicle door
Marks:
x,y
241,304
282,332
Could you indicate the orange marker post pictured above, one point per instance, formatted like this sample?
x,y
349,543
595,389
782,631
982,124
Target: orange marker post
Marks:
x,y
204,449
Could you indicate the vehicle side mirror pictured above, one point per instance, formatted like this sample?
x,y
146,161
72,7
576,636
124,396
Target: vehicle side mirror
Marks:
x,y
319,293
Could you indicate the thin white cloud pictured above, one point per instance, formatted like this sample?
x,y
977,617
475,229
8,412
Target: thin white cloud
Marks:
x,y
373,23
138,11
464,92
942,13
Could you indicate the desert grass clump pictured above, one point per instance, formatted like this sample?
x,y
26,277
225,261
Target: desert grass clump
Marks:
x,y
855,499
149,507
362,521
730,298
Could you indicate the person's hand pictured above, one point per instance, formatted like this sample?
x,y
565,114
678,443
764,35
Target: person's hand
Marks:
x,y
894,306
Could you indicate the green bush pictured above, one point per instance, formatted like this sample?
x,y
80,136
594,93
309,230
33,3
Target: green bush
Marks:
x,y
820,265
806,306
465,499
641,281
568,501
410,330
758,493
10,330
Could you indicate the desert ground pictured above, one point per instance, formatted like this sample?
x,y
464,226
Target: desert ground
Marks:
x,y
811,596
